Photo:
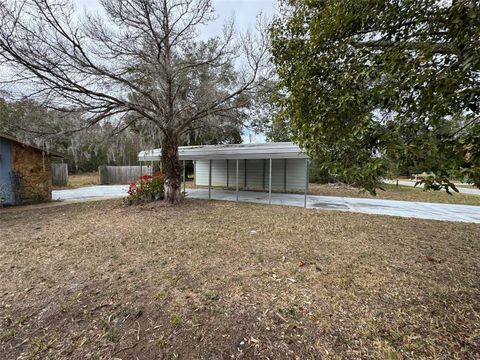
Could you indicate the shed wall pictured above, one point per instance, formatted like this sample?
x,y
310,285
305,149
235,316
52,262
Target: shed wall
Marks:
x,y
6,173
32,174
257,176
296,173
232,165
219,173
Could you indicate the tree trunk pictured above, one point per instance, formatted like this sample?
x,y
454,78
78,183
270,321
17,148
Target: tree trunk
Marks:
x,y
171,169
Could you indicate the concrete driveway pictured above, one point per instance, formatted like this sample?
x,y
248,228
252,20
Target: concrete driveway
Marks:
x,y
419,210
462,189
91,192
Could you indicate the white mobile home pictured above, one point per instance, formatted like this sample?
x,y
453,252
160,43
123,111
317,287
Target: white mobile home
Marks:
x,y
270,166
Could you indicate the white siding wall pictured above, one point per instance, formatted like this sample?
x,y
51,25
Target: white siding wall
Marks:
x,y
232,164
257,174
278,175
219,173
296,174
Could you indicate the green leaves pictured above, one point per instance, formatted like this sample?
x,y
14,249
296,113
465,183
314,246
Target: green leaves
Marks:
x,y
373,88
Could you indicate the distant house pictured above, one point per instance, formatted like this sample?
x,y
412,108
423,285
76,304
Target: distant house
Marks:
x,y
25,172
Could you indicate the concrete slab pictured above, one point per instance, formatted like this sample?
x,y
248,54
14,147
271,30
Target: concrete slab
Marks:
x,y
99,191
420,210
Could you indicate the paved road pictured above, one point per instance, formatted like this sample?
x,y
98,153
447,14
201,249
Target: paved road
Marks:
x,y
463,190
420,210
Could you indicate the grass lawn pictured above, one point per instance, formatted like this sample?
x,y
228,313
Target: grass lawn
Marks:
x,y
217,280
80,180
392,192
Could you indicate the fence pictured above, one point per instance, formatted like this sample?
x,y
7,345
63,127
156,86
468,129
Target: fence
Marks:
x,y
122,175
59,174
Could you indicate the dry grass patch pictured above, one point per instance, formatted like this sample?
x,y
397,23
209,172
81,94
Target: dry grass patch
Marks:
x,y
81,180
217,280
392,192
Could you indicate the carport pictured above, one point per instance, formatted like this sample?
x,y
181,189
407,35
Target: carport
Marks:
x,y
278,167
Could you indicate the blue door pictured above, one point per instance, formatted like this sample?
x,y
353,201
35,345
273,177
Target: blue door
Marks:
x,y
6,189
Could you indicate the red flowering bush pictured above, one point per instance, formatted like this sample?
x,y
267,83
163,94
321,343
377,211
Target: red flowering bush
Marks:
x,y
148,188
132,189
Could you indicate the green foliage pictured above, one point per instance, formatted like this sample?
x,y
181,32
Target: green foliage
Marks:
x,y
152,189
148,188
279,129
436,183
224,133
375,88
318,174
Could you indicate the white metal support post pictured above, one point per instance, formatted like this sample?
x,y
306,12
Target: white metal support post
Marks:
x,y
184,176
236,182
228,174
270,182
209,179
195,173
306,183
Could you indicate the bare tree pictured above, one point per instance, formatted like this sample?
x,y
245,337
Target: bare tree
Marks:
x,y
140,58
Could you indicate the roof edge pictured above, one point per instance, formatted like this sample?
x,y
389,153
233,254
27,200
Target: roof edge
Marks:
x,y
49,153
273,150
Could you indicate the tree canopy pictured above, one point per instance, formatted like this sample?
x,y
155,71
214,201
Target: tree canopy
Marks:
x,y
370,86
88,146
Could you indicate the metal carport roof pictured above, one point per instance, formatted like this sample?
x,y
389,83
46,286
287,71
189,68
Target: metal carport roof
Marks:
x,y
273,150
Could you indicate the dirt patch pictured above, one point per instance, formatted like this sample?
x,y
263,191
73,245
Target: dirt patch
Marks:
x,y
220,280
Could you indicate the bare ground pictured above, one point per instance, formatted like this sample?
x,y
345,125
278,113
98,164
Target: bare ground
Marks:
x,y
217,280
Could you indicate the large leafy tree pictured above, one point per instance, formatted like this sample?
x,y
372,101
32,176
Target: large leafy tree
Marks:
x,y
369,86
135,59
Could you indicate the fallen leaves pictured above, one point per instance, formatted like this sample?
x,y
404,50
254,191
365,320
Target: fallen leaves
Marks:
x,y
183,280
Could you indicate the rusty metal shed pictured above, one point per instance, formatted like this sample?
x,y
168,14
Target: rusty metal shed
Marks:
x,y
25,172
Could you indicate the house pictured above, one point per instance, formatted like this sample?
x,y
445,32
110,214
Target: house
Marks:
x,y
280,166
25,172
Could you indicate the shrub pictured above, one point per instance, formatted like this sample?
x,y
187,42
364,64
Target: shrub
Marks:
x,y
147,188
320,175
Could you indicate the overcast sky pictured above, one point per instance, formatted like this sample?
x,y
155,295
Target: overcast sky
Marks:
x,y
243,11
